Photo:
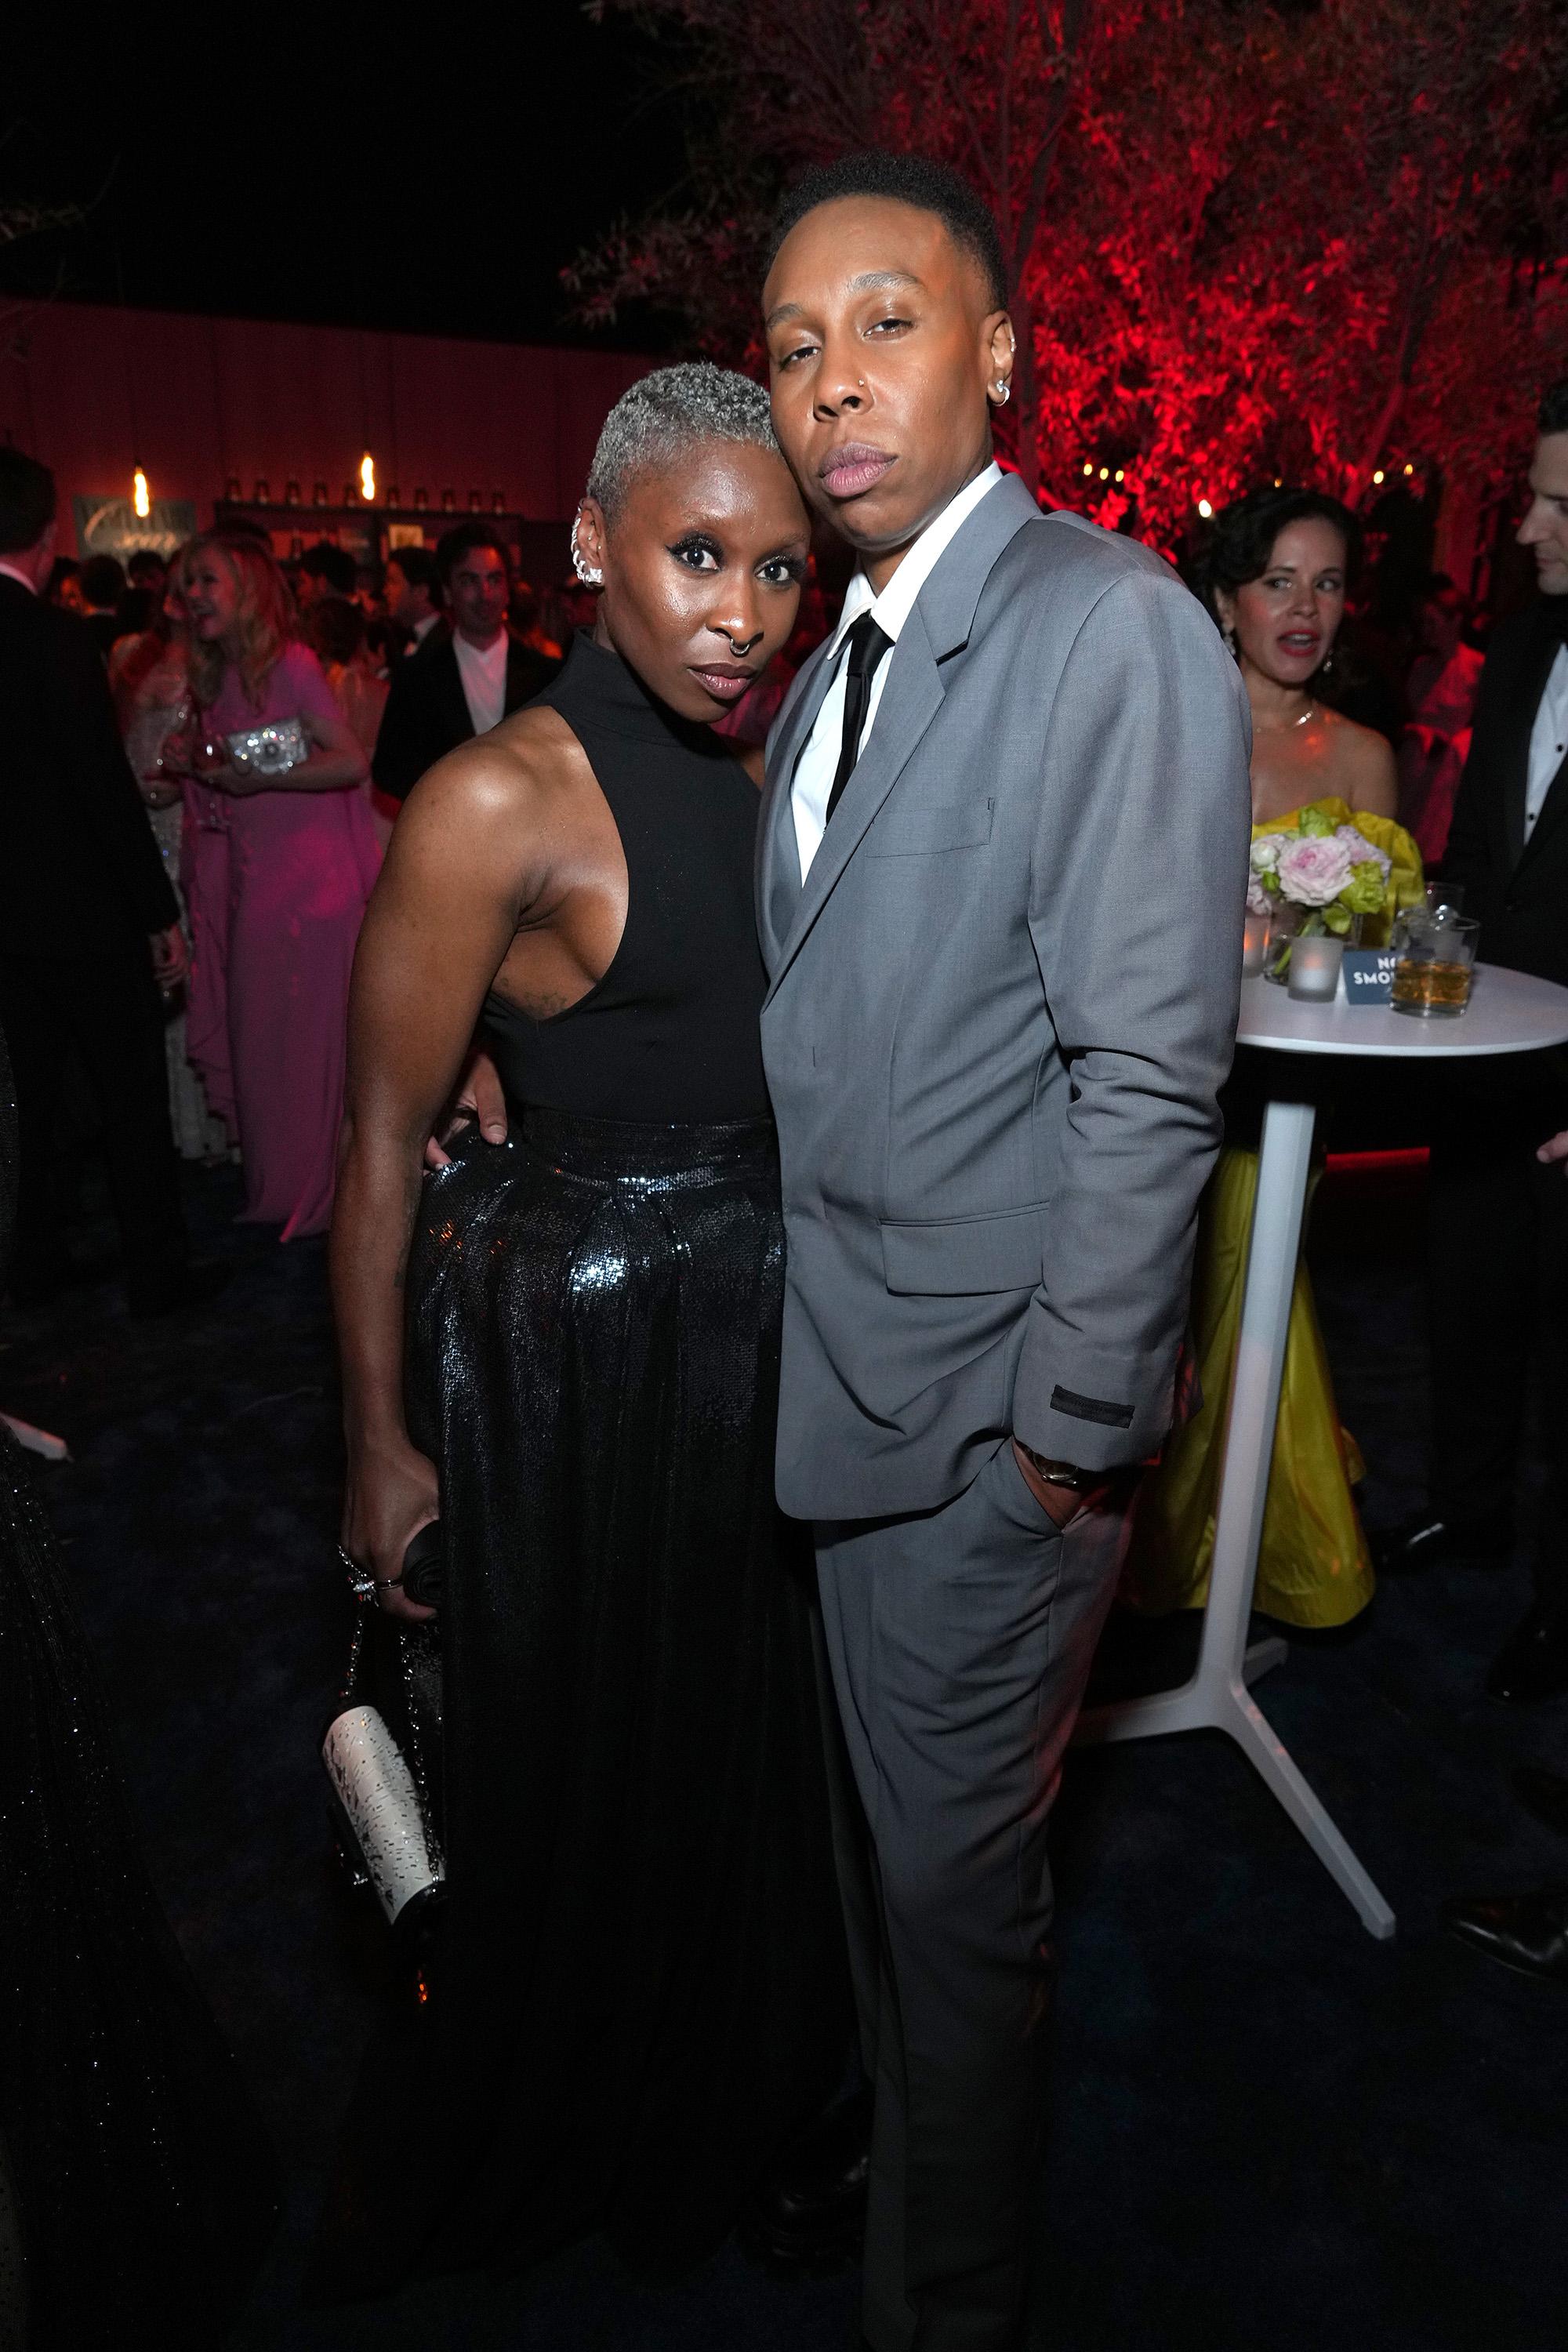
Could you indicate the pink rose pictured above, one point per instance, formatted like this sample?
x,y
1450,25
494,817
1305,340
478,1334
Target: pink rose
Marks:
x,y
1361,849
1313,872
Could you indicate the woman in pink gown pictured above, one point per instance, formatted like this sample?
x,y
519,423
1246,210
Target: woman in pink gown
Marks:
x,y
277,872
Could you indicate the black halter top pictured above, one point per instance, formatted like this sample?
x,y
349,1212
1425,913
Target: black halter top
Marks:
x,y
670,1033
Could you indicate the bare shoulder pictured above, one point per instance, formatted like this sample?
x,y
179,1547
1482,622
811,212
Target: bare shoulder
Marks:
x,y
1363,764
511,774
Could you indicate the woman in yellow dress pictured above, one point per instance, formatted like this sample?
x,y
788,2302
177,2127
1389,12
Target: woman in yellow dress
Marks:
x,y
1275,579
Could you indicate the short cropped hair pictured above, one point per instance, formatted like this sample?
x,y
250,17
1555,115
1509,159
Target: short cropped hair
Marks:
x,y
462,539
914,180
103,582
27,500
673,409
417,566
334,564
1242,538
1553,417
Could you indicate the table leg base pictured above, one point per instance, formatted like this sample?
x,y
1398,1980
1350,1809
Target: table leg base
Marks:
x,y
1204,1705
1263,1656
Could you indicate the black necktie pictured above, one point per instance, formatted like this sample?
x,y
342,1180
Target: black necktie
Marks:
x,y
868,644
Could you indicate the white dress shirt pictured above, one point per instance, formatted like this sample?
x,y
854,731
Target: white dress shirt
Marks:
x,y
818,762
1548,739
483,673
20,577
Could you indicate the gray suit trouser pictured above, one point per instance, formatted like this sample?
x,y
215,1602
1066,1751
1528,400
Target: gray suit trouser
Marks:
x,y
959,1642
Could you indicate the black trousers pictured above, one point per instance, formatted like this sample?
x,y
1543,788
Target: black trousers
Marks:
x,y
1498,1271
108,1009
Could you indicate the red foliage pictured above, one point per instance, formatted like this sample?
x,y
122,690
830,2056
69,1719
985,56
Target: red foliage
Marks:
x,y
1244,244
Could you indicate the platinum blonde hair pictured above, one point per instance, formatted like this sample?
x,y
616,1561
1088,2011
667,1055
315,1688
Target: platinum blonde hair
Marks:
x,y
673,409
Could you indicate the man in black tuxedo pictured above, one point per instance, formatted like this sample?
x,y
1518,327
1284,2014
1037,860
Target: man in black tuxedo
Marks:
x,y
88,926
470,673
1499,1255
412,592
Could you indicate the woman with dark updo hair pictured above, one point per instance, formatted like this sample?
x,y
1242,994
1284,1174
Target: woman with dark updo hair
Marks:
x,y
1274,576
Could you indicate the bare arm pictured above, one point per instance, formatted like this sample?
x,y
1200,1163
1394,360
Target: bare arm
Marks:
x,y
443,916
1376,787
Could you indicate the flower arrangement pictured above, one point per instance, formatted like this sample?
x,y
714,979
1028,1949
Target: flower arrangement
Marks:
x,y
1326,871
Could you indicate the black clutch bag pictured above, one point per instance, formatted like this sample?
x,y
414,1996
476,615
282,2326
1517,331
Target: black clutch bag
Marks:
x,y
424,1575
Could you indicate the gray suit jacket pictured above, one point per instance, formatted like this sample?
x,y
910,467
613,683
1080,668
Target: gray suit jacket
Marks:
x,y
999,1014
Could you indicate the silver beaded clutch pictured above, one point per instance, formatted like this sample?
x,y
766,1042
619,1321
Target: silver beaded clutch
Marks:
x,y
376,1789
269,750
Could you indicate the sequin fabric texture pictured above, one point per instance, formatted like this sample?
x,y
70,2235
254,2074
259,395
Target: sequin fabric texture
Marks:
x,y
642,1974
137,2186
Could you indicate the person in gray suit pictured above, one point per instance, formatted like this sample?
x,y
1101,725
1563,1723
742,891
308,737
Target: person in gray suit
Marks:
x,y
1001,874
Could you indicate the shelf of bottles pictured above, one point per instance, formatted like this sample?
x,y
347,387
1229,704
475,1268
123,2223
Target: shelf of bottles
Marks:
x,y
371,531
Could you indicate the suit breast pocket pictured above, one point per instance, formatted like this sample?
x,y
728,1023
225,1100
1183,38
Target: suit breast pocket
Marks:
x,y
917,831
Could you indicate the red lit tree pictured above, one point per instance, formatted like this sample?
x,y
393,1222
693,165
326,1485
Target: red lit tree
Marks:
x,y
1243,243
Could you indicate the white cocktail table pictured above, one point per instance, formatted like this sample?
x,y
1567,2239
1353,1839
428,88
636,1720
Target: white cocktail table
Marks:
x,y
1510,1013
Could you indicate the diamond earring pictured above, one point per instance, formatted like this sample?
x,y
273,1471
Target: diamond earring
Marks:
x,y
588,574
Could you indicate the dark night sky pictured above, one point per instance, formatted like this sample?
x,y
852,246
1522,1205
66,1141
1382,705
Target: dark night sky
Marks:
x,y
427,168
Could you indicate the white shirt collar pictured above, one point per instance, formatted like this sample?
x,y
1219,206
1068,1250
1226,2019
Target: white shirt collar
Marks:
x,y
491,657
892,608
12,573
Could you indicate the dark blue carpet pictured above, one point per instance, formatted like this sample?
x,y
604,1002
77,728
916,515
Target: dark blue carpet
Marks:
x,y
1267,2129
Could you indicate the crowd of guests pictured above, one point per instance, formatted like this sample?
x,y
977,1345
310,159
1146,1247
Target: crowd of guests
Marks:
x,y
382,671
388,667
259,874
229,743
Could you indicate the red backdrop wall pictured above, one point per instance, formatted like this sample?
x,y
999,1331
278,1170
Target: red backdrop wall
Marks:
x,y
200,402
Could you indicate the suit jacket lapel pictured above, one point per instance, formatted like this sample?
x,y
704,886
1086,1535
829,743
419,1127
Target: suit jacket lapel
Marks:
x,y
447,681
778,857
1553,809
910,701
1516,781
940,624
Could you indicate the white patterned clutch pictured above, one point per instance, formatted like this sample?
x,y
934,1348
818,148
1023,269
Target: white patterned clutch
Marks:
x,y
376,1791
269,750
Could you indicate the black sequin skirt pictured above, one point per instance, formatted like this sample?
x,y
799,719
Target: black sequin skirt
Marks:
x,y
641,1984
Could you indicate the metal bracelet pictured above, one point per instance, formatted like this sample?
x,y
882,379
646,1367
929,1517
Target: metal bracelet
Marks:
x,y
361,1584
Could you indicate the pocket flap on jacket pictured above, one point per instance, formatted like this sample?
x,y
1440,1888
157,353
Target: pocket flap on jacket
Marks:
x,y
911,832
962,1255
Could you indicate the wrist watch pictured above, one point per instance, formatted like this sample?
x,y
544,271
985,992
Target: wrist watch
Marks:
x,y
1057,1473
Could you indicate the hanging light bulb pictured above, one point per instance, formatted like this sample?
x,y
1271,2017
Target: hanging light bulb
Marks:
x,y
1204,509
367,477
1378,475
140,497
